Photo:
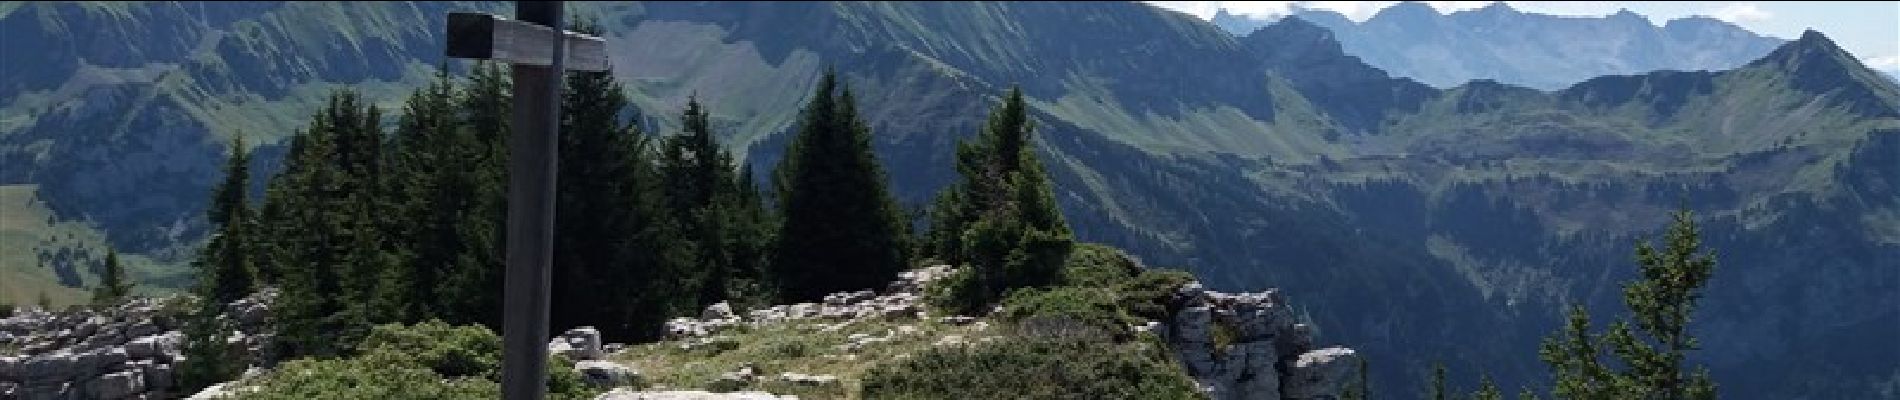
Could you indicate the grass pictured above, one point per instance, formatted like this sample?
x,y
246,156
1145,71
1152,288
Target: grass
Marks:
x,y
798,347
27,229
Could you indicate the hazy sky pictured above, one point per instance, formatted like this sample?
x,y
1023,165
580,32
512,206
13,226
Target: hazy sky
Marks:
x,y
1870,30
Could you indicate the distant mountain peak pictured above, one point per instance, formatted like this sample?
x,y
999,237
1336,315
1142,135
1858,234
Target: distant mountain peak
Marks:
x,y
1816,65
1811,47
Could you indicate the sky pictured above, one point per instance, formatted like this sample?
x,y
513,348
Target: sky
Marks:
x,y
1869,30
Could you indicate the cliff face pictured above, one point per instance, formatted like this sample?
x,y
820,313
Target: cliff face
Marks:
x,y
1250,346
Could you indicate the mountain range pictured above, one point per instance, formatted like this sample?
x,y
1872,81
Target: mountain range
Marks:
x,y
1549,52
1418,221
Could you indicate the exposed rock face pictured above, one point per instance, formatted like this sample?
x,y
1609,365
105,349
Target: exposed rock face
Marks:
x,y
1265,354
119,352
902,300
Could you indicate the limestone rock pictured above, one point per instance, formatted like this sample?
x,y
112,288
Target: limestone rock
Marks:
x,y
720,310
116,385
1266,354
808,380
606,374
578,344
1321,374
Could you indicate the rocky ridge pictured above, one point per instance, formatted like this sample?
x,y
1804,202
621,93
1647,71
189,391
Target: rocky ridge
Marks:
x,y
1263,352
126,351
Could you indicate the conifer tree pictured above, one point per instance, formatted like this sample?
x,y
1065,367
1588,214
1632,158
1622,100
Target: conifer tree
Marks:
x,y
1001,217
227,260
440,182
717,208
226,273
618,258
329,231
841,228
1437,389
1487,390
112,285
1651,350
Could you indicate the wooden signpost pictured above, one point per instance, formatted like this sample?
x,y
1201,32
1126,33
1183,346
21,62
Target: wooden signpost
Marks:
x,y
539,50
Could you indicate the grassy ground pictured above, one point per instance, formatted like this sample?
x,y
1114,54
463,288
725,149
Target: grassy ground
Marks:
x,y
798,347
27,230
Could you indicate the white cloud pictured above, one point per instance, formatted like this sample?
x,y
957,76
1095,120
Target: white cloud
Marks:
x,y
1886,63
1741,12
1362,10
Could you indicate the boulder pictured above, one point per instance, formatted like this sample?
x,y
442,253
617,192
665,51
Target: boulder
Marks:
x,y
116,385
718,311
808,380
577,344
153,346
158,376
607,374
1321,374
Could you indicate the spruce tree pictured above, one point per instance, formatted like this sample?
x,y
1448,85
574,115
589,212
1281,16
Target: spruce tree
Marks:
x,y
1651,350
1487,389
618,258
1001,217
226,273
208,357
441,182
112,285
1437,390
329,226
227,260
718,210
841,229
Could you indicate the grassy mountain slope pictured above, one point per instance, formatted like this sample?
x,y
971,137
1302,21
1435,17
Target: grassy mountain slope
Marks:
x,y
1409,220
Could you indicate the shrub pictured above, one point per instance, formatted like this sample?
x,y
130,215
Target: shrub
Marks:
x,y
1032,369
1065,311
1146,296
430,360
1098,265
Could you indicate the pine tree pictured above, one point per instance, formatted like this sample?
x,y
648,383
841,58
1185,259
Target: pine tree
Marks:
x,y
329,231
1487,390
1652,349
1001,217
1361,388
448,231
208,357
1437,390
618,257
227,260
717,208
475,285
841,229
112,285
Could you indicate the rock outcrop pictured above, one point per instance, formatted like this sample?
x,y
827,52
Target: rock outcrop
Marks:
x,y
901,300
125,351
1249,346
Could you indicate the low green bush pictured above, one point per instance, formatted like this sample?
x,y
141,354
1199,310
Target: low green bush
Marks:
x,y
429,360
1097,265
1066,311
1033,369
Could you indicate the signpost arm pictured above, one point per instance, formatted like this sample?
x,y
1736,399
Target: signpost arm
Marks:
x,y
532,148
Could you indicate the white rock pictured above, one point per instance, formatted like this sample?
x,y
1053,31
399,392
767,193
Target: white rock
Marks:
x,y
1321,374
116,385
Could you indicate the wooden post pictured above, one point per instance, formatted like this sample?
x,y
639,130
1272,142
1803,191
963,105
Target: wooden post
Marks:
x,y
540,51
